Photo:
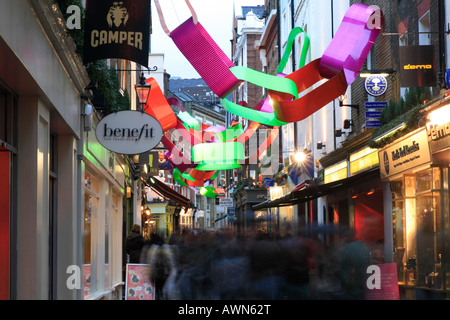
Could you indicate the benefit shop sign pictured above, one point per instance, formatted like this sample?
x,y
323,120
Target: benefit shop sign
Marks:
x,y
129,132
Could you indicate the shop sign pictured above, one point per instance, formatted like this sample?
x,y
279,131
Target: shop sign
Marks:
x,y
373,124
129,132
437,132
226,202
149,160
117,29
375,105
337,172
276,193
417,66
410,152
376,85
438,129
363,160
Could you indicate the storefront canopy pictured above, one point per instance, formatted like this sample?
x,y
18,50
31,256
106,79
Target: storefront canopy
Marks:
x,y
168,192
316,191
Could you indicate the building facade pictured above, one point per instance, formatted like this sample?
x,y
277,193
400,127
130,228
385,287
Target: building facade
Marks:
x,y
66,200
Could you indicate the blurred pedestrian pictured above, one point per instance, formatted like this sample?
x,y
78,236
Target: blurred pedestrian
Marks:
x,y
134,244
296,268
162,267
265,258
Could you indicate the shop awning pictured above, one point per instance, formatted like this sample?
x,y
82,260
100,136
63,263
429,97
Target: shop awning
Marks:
x,y
168,192
316,191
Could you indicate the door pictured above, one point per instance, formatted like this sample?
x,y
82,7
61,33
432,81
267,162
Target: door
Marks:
x,y
5,187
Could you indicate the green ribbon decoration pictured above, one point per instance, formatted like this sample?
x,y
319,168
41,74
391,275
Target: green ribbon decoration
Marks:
x,y
287,53
177,176
230,133
270,82
189,121
218,156
208,192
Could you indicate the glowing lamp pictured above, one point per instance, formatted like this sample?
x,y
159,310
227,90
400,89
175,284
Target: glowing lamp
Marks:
x,y
142,91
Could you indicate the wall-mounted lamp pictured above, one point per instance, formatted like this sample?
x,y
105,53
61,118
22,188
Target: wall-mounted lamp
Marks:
x,y
338,133
383,73
320,145
142,91
348,124
87,117
301,156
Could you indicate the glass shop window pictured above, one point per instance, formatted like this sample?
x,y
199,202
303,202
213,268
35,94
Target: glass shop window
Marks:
x,y
429,228
399,227
91,207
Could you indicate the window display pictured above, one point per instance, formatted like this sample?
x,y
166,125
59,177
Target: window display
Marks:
x,y
418,230
91,203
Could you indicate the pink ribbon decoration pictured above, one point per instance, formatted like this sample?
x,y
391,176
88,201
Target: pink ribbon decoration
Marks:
x,y
352,42
206,57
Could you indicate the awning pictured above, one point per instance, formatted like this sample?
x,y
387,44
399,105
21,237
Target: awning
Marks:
x,y
317,191
168,192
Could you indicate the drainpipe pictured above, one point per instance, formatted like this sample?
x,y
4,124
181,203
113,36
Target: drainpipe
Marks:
x,y
294,68
334,101
281,158
442,48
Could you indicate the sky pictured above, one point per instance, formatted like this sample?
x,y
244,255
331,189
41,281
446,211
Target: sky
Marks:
x,y
216,16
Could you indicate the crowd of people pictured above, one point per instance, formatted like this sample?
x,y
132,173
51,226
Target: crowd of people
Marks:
x,y
211,265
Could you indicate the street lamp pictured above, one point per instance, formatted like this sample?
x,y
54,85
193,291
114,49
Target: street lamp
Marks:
x,y
142,91
301,156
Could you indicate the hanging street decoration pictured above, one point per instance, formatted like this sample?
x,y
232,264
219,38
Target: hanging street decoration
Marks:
x,y
290,98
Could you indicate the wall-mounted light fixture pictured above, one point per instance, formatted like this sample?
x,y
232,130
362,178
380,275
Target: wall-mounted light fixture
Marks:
x,y
338,133
383,73
348,124
87,117
301,156
320,145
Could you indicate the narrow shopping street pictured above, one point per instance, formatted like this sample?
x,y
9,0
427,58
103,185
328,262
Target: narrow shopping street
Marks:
x,y
221,158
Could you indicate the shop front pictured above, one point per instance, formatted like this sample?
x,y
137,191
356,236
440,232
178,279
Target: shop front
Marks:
x,y
420,212
278,217
164,208
357,206
104,190
352,198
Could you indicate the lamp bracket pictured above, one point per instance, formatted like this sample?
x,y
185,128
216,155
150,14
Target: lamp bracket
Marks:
x,y
354,106
155,68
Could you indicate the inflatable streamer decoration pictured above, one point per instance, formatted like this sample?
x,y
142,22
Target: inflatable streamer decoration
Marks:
x,y
263,113
218,156
208,192
158,106
340,64
203,53
352,42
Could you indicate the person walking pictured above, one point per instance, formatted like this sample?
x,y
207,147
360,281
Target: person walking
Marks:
x,y
134,244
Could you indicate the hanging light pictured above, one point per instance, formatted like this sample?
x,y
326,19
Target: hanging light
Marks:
x,y
142,91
